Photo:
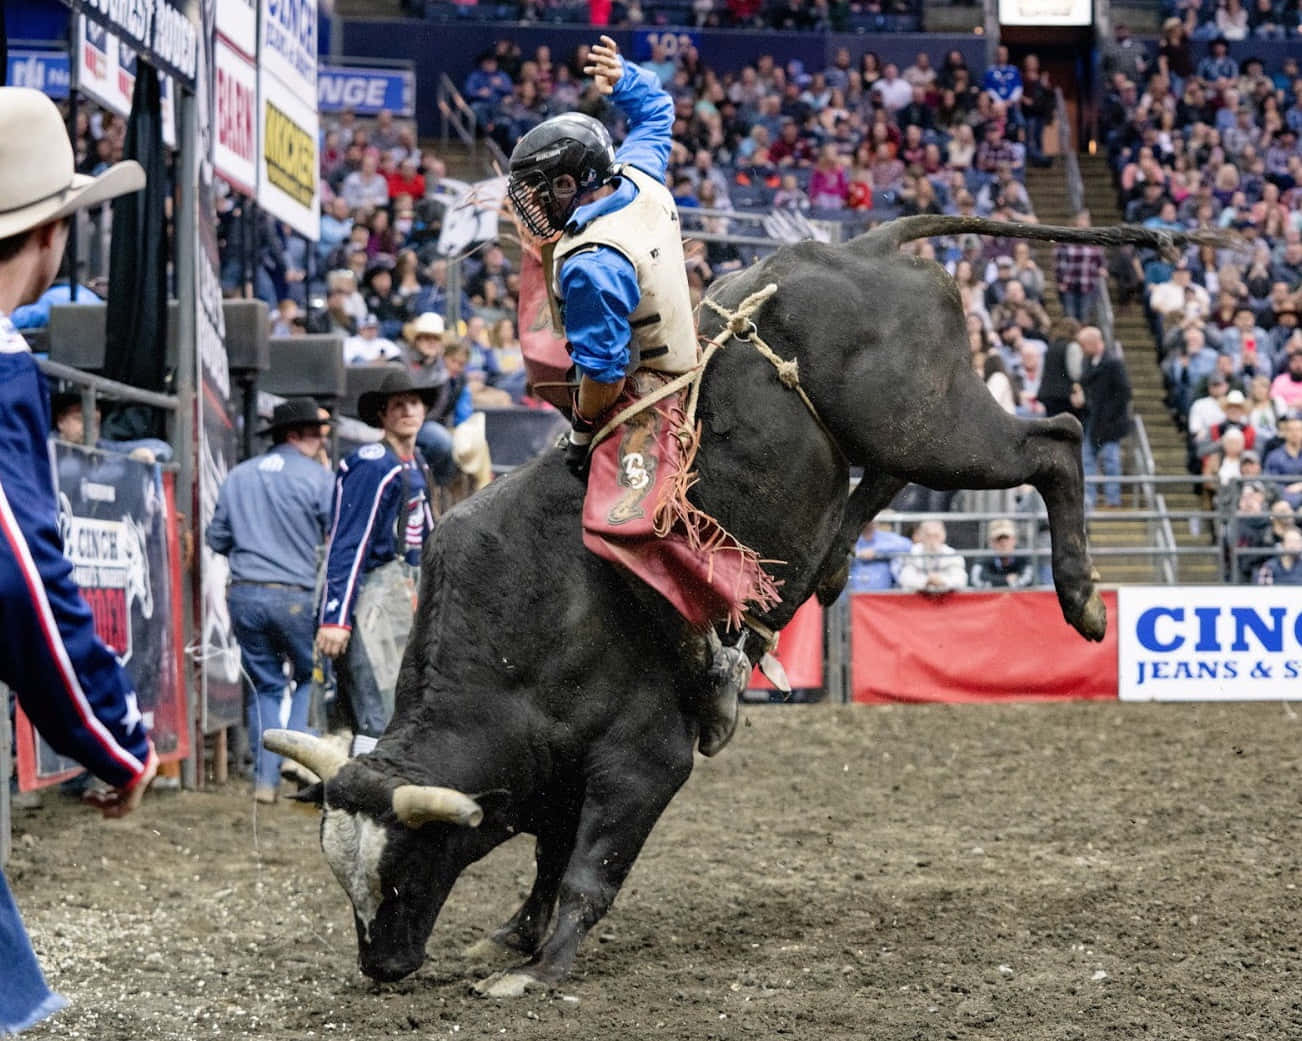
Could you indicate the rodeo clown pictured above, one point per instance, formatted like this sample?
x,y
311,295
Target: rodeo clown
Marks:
x,y
382,515
612,259
70,685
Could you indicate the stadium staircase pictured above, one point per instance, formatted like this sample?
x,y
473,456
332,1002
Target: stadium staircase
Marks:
x,y
1115,531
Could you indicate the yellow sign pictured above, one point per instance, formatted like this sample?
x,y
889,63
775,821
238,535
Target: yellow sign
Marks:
x,y
291,156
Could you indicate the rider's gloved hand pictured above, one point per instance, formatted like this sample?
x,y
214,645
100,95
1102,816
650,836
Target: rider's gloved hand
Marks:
x,y
577,444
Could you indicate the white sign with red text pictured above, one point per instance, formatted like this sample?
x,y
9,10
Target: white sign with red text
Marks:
x,y
235,137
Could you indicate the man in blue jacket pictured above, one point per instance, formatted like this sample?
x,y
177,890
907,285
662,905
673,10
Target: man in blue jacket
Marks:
x,y
613,260
382,515
70,685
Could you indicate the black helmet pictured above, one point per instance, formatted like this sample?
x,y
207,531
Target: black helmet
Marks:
x,y
553,165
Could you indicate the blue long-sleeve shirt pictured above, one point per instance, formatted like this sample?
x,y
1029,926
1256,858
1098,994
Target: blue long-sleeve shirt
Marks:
x,y
272,515
373,491
71,686
599,286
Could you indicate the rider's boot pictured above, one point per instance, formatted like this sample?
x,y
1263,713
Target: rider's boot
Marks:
x,y
727,677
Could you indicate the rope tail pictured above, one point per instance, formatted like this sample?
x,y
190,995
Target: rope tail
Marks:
x,y
893,234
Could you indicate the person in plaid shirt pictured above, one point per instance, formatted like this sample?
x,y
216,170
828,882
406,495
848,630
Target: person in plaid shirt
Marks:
x,y
1079,270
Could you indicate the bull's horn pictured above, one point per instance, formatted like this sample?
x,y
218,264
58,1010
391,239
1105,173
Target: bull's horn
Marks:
x,y
319,756
417,804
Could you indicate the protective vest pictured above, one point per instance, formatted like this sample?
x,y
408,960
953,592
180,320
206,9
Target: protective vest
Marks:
x,y
648,234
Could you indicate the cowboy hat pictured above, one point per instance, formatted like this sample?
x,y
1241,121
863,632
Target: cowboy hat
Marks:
x,y
470,449
296,412
38,180
427,324
371,403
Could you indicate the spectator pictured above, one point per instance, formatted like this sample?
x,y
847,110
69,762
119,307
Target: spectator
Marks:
x,y
1005,568
992,370
1286,461
1285,569
878,555
1104,394
366,187
932,566
1124,55
1287,386
829,184
381,520
368,347
1003,82
485,88
1062,367
892,92
271,520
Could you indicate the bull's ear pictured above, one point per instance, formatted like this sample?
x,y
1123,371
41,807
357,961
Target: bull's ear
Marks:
x,y
313,794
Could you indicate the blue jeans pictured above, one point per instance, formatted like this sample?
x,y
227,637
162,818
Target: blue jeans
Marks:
x,y
435,443
273,625
1108,455
1077,304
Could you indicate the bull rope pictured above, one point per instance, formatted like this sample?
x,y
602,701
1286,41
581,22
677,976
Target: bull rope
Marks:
x,y
737,324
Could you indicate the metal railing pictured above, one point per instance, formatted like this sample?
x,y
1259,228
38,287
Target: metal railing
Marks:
x,y
1159,528
94,387
455,114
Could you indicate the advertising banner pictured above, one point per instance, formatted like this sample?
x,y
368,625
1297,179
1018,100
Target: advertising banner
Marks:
x,y
288,47
1046,12
116,516
288,171
366,91
46,71
106,70
235,142
975,647
800,650
1210,643
237,24
98,55
154,28
222,696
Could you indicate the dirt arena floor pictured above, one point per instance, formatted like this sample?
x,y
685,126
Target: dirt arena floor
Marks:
x,y
1035,871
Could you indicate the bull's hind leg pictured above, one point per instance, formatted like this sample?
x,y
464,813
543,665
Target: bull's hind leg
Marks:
x,y
973,443
623,800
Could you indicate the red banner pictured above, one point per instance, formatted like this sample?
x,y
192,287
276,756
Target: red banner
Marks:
x,y
800,650
975,647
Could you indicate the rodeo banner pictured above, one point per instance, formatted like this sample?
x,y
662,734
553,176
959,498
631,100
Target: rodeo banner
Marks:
x,y
116,516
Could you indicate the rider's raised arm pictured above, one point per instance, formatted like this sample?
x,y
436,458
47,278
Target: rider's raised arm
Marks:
x,y
650,112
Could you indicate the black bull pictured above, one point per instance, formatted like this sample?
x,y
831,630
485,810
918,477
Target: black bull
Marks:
x,y
558,693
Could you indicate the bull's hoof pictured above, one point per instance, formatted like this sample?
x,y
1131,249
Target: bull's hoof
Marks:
x,y
1093,621
510,983
489,950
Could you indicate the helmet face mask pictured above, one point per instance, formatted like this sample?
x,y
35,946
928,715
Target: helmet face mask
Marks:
x,y
553,166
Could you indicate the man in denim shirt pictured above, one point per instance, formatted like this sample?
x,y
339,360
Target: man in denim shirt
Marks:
x,y
271,519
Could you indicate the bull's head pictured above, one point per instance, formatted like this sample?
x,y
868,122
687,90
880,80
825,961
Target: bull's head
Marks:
x,y
375,839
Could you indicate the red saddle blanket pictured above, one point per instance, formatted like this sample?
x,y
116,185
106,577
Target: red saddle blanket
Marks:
x,y
637,515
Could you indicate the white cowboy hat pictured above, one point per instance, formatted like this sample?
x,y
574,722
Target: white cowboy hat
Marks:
x,y
470,449
427,324
38,180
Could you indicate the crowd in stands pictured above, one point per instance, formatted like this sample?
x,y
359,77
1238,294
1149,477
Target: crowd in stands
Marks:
x,y
782,15
1213,144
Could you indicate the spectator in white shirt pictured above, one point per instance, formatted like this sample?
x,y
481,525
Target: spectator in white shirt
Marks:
x,y
932,566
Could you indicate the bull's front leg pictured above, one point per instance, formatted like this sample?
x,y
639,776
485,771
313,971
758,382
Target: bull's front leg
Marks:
x,y
523,932
621,806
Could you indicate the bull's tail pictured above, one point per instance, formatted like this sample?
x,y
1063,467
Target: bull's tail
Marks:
x,y
890,236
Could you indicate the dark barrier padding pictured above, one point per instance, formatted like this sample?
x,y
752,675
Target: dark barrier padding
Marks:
x,y
77,335
516,435
305,365
248,334
357,381
438,48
